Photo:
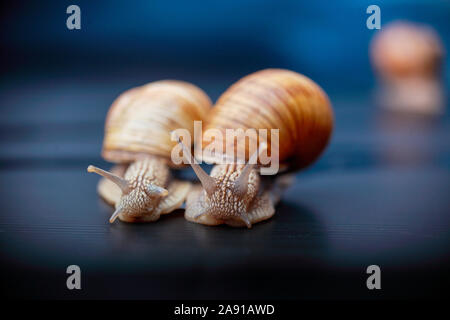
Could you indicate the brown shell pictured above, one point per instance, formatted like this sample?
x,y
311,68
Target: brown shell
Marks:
x,y
140,120
403,49
278,99
262,208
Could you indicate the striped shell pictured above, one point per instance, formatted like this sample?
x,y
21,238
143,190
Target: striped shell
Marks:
x,y
278,99
140,120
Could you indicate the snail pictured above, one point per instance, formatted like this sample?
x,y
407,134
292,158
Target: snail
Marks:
x,y
235,193
407,57
137,138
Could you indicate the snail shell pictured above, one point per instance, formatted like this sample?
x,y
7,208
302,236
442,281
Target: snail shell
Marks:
x,y
137,137
278,99
269,99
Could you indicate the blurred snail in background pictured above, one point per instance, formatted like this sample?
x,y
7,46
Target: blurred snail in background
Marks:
x,y
137,138
236,194
408,59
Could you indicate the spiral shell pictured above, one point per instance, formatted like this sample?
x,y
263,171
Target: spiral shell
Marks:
x,y
278,99
140,120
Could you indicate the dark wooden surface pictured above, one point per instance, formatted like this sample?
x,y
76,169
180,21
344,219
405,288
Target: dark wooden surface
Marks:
x,y
379,195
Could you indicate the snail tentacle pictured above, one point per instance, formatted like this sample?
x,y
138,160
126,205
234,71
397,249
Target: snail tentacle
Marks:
x,y
137,140
208,183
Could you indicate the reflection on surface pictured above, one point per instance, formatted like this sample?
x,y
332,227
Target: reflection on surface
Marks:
x,y
292,227
415,95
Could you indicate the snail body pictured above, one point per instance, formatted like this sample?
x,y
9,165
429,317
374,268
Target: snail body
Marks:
x,y
236,194
137,138
407,58
226,206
